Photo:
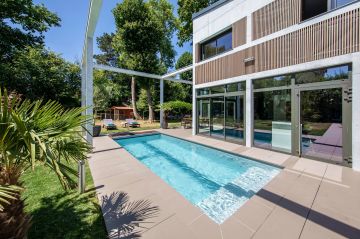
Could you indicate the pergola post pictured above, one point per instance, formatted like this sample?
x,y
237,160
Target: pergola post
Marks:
x,y
161,102
89,89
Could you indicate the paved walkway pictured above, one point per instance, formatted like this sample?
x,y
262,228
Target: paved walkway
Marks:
x,y
308,199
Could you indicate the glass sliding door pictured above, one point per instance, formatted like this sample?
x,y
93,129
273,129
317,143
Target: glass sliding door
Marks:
x,y
272,120
234,118
203,116
321,124
217,117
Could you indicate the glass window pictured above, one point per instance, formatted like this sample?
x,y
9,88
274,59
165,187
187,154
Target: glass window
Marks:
x,y
329,74
204,116
272,120
241,86
311,8
204,91
339,3
217,89
224,43
272,82
217,45
234,118
209,49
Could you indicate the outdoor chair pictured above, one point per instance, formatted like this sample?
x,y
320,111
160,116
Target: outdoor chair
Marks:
x,y
186,121
131,123
109,124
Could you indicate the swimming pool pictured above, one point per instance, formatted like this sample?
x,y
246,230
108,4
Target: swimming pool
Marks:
x,y
217,182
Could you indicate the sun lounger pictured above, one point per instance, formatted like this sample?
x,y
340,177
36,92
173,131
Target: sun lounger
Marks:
x,y
109,124
131,123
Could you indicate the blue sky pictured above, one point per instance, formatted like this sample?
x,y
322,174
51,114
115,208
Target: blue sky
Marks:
x,y
68,39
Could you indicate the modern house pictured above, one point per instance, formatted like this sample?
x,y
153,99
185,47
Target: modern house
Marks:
x,y
282,75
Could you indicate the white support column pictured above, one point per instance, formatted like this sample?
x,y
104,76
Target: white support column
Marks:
x,y
356,113
161,102
89,88
194,114
249,113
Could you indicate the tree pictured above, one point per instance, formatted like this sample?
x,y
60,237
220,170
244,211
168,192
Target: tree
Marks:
x,y
22,24
35,134
37,73
108,56
175,107
143,39
185,11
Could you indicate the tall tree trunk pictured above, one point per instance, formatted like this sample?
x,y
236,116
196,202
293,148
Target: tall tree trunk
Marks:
x,y
150,104
133,98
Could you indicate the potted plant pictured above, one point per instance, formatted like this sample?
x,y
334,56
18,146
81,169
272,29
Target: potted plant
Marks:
x,y
96,130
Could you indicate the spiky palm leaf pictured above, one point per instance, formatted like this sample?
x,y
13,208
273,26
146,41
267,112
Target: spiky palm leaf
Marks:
x,y
37,132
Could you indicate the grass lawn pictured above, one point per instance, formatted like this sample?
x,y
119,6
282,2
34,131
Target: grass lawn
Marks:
x,y
144,126
59,214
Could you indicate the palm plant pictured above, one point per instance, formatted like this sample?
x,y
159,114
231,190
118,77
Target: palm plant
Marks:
x,y
35,133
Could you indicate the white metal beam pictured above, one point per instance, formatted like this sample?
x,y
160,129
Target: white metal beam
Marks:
x,y
141,74
179,71
128,72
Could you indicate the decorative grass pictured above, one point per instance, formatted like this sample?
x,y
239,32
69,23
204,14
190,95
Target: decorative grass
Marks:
x,y
59,214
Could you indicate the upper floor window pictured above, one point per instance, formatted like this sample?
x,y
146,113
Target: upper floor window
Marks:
x,y
311,8
216,45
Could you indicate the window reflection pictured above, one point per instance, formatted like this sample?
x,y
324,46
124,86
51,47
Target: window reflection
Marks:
x,y
272,120
217,45
328,74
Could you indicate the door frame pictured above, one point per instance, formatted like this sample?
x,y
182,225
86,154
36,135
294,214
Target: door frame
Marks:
x,y
224,95
345,86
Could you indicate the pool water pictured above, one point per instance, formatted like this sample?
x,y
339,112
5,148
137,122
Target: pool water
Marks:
x,y
217,182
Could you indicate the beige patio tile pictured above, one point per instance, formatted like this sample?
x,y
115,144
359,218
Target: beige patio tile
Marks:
x,y
281,224
253,214
340,202
334,173
186,212
240,150
303,191
172,228
204,227
309,166
282,182
314,231
233,229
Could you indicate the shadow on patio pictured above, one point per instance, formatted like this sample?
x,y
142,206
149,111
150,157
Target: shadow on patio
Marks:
x,y
321,219
127,219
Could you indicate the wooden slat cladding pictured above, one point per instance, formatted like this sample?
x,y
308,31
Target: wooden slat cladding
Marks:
x,y
333,37
239,32
275,16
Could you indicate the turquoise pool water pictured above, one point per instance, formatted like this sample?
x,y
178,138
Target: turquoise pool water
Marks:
x,y
217,182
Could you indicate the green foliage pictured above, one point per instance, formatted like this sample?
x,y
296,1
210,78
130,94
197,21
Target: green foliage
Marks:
x,y
72,215
186,9
37,73
21,24
179,91
32,132
176,107
109,90
143,39
108,56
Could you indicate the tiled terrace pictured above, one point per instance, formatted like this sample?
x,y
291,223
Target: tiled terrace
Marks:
x,y
308,199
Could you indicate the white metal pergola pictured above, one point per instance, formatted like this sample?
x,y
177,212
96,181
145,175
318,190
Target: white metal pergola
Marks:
x,y
87,67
